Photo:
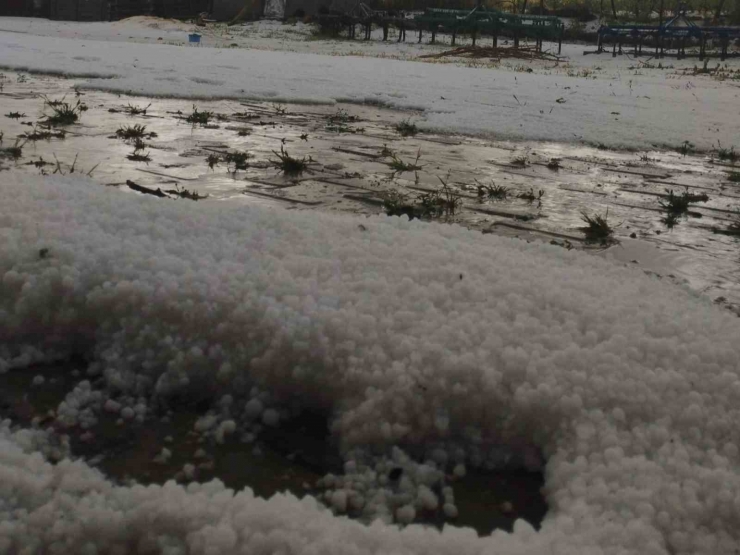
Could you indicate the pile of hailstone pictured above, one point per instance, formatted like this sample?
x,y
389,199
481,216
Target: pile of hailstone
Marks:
x,y
394,489
410,334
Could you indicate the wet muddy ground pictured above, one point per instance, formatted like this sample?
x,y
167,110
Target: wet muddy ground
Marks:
x,y
356,160
353,156
293,457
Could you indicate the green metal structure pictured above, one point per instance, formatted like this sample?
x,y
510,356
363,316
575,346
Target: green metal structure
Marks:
x,y
476,23
482,21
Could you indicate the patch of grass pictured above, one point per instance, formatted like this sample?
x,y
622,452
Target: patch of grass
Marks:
x,y
200,118
733,177
432,205
685,149
343,128
697,197
553,164
43,135
63,113
132,132
597,228
670,220
679,204
497,192
53,103
15,115
337,122
386,152
132,110
520,161
289,165
399,166
727,154
236,161
40,163
213,160
13,152
406,128
138,155
442,202
244,132
396,203
184,193
342,116
530,195
72,169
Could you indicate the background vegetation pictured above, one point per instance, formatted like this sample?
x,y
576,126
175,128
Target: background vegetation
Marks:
x,y
722,12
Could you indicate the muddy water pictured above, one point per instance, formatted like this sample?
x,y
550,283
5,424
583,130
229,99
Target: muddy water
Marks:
x,y
347,148
291,458
349,172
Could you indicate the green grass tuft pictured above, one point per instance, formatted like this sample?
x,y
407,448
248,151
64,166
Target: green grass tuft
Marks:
x,y
63,113
406,128
597,228
399,166
132,132
200,118
289,165
497,192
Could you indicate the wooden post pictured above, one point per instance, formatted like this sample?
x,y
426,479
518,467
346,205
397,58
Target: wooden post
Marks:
x,y
560,39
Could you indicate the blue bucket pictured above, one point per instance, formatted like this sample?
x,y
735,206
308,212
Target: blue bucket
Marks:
x,y
194,38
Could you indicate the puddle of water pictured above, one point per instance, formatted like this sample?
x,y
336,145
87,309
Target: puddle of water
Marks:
x,y
128,451
292,457
349,172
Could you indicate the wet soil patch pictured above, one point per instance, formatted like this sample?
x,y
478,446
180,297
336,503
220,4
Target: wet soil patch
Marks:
x,y
292,457
548,186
